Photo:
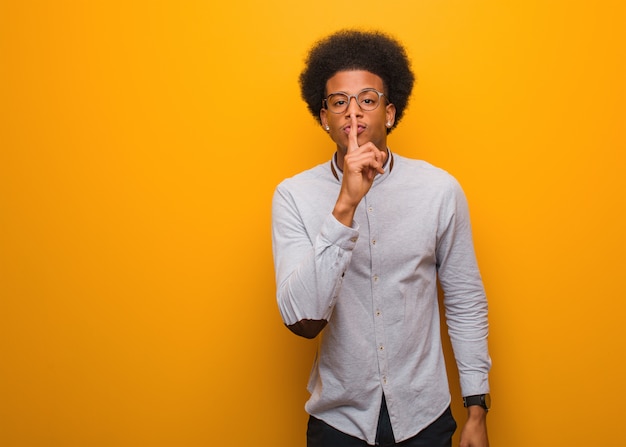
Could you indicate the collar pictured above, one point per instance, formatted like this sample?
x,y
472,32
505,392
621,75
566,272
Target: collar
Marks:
x,y
334,161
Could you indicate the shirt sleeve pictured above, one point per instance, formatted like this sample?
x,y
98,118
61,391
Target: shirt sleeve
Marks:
x,y
309,262
464,295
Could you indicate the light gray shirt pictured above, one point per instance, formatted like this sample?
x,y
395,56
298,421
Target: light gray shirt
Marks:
x,y
375,283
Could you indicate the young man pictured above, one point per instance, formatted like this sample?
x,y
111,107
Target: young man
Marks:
x,y
359,244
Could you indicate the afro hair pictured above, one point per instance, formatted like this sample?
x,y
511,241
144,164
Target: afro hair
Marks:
x,y
371,51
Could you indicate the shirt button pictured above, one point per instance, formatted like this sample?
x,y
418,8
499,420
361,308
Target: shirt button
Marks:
x,y
376,278
382,348
352,239
370,209
378,313
373,241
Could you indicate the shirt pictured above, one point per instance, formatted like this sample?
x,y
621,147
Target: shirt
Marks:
x,y
375,283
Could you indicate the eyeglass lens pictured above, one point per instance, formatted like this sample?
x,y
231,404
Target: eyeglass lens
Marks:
x,y
367,100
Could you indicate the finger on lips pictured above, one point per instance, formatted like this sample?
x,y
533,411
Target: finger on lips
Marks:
x,y
353,145
352,136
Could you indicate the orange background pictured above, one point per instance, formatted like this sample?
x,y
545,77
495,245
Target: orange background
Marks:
x,y
140,143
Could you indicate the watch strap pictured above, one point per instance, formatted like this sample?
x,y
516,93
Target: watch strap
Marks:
x,y
478,399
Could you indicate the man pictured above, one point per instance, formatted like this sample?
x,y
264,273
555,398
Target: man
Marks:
x,y
359,244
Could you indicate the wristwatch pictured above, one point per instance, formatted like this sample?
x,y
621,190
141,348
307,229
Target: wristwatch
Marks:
x,y
483,400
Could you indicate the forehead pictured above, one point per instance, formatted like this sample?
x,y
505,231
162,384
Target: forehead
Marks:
x,y
353,81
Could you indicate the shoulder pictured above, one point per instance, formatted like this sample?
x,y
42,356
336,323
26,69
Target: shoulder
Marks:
x,y
308,181
423,174
315,186
313,174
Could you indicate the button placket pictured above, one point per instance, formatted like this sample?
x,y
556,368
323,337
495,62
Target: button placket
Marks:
x,y
379,326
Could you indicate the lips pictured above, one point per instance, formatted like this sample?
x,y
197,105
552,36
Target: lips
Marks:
x,y
360,129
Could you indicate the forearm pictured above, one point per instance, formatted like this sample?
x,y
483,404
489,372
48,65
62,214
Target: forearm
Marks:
x,y
307,296
468,329
309,276
344,212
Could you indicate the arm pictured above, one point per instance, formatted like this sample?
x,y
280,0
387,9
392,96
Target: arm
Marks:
x,y
466,310
310,268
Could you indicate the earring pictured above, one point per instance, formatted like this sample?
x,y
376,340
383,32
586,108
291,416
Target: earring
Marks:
x,y
327,127
388,124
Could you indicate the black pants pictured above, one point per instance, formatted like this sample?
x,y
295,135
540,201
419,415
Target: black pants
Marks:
x,y
437,434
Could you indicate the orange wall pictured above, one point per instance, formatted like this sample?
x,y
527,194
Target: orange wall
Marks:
x,y
140,143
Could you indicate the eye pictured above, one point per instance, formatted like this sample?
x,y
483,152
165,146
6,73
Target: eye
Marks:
x,y
368,98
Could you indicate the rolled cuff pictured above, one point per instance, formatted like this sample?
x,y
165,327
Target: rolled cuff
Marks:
x,y
336,233
473,384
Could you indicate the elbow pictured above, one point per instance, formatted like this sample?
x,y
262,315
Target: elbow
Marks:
x,y
307,328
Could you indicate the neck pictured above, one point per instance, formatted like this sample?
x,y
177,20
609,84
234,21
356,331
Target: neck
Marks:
x,y
339,155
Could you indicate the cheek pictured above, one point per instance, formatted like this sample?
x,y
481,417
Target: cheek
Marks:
x,y
335,127
337,134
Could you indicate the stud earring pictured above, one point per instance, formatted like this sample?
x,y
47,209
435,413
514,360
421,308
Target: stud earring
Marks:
x,y
327,127
388,124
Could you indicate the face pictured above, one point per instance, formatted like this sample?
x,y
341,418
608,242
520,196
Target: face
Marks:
x,y
372,124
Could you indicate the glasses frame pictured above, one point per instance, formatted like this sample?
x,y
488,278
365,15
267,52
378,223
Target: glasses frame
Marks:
x,y
356,99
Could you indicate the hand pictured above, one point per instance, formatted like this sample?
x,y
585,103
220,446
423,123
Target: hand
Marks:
x,y
474,433
361,164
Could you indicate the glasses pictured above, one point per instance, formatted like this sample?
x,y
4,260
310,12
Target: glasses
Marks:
x,y
367,99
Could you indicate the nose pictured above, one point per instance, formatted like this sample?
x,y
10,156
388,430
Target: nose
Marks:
x,y
353,106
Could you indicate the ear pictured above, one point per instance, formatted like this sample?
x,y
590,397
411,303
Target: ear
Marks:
x,y
323,118
390,114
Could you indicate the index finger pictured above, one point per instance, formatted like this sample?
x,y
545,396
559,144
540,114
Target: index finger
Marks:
x,y
352,136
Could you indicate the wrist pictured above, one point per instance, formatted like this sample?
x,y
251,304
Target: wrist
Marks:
x,y
476,413
478,400
344,213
